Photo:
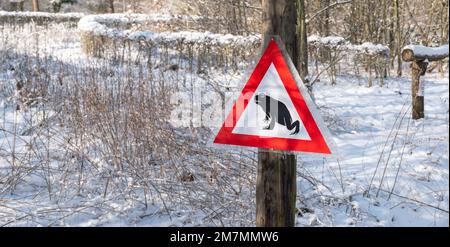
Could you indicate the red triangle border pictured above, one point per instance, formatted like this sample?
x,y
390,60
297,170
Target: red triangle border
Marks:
x,y
317,144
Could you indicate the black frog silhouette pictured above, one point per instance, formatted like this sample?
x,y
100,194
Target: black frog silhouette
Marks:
x,y
277,113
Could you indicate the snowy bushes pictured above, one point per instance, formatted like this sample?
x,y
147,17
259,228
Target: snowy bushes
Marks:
x,y
38,18
109,35
117,35
101,24
331,50
339,43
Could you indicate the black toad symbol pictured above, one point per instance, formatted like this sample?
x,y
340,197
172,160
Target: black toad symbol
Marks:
x,y
278,113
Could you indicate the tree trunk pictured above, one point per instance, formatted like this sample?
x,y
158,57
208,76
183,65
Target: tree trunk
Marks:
x,y
324,26
398,35
327,20
276,179
355,22
444,22
302,58
16,6
386,40
35,5
111,6
418,68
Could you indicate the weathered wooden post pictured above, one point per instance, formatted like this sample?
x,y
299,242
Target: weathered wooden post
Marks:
x,y
420,56
418,68
276,186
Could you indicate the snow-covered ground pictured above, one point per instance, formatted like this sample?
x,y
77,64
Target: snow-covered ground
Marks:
x,y
391,171
404,162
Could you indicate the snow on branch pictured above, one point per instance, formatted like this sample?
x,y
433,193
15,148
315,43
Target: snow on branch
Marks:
x,y
100,25
339,43
195,38
370,49
326,8
419,52
329,42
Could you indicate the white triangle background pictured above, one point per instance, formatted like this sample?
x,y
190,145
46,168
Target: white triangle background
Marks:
x,y
252,122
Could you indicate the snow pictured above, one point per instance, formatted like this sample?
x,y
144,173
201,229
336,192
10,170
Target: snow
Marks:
x,y
98,25
423,51
194,38
370,114
330,41
370,49
330,192
40,14
337,42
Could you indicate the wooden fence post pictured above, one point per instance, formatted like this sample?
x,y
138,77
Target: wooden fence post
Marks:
x,y
420,56
418,68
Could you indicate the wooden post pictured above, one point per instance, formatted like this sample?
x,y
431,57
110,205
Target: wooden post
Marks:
x,y
276,181
418,68
420,56
276,189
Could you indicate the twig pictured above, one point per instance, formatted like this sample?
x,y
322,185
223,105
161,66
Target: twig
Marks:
x,y
340,174
384,146
390,151
326,8
401,159
417,201
320,73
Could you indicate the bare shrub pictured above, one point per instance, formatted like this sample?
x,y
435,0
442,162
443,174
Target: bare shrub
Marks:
x,y
99,130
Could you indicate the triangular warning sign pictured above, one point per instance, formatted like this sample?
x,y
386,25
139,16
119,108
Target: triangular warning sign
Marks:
x,y
273,112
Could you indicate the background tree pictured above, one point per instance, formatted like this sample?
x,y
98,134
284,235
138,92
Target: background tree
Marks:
x,y
301,31
35,5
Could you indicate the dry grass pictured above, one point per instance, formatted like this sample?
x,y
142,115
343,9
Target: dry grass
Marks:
x,y
100,129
